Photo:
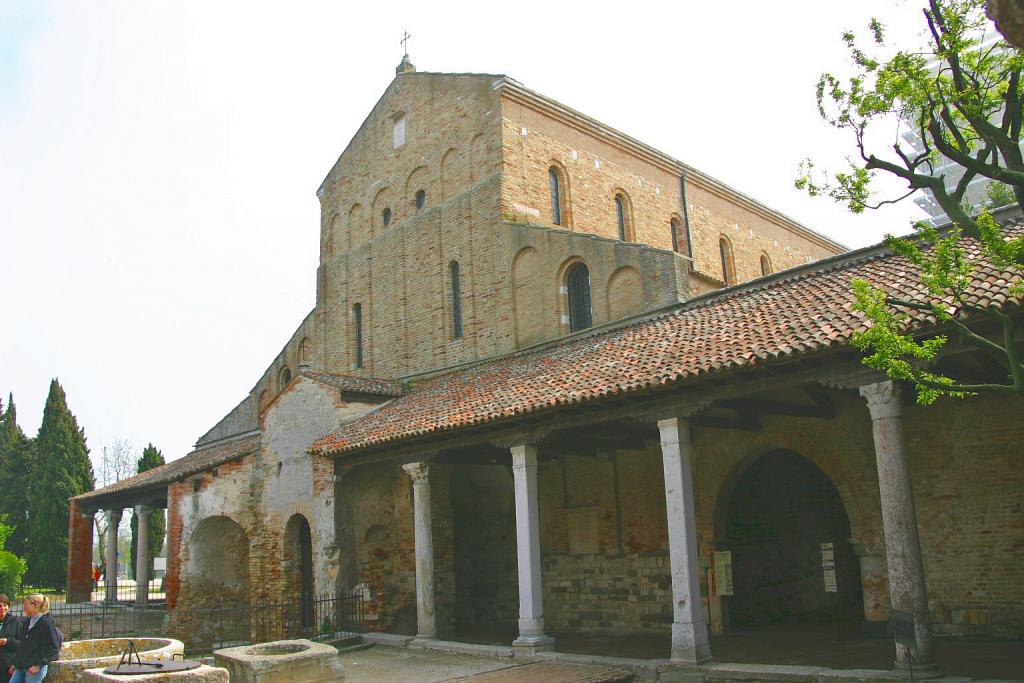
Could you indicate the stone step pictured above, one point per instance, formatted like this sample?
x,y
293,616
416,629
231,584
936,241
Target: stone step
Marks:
x,y
346,641
354,648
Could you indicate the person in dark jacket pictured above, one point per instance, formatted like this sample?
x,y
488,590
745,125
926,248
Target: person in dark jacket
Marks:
x,y
38,645
10,634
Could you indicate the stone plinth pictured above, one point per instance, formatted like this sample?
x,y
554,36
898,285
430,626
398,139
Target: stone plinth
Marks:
x,y
204,674
285,661
76,656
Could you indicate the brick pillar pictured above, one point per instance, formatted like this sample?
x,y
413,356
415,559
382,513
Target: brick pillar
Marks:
x,y
172,577
689,631
899,522
80,527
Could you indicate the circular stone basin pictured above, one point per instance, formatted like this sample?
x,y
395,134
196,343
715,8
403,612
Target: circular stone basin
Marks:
x,y
274,649
78,655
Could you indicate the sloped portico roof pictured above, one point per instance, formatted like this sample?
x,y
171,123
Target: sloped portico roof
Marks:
x,y
799,312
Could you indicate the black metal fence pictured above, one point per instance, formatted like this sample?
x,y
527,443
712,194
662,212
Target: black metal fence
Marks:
x,y
326,617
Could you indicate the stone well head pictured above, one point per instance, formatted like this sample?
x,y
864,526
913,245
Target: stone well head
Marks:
x,y
282,660
78,655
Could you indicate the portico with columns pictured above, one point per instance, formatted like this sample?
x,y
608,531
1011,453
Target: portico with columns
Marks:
x,y
613,514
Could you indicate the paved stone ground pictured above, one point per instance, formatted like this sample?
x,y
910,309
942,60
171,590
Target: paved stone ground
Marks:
x,y
552,672
383,664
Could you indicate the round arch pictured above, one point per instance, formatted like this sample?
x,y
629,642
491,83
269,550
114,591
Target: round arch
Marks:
x,y
776,542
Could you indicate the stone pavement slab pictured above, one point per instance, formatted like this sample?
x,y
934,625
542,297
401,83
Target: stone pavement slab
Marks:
x,y
384,664
552,672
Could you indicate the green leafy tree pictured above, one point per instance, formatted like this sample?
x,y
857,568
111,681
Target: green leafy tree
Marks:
x,y
962,94
63,471
151,458
17,463
12,567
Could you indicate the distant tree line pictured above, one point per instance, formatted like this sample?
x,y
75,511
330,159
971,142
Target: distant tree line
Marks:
x,y
38,477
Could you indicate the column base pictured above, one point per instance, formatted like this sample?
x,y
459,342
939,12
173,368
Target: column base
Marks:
x,y
921,671
422,641
690,643
528,646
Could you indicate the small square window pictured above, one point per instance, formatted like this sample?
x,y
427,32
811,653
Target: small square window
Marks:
x,y
399,131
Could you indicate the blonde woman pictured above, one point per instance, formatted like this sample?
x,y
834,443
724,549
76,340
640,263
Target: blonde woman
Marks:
x,y
40,641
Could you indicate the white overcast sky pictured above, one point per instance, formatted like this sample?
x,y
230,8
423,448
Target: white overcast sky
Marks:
x,y
159,161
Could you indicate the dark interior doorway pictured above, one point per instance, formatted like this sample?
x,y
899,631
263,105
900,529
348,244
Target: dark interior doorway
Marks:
x,y
780,512
486,578
300,541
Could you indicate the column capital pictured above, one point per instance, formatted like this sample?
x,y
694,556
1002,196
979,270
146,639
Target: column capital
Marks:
x,y
884,399
524,455
143,508
115,513
418,471
674,430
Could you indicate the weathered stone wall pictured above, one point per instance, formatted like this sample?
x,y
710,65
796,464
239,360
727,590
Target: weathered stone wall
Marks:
x,y
376,502
259,494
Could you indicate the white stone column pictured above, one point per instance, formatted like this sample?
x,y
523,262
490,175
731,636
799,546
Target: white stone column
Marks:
x,y
899,522
426,623
110,572
142,559
689,632
532,637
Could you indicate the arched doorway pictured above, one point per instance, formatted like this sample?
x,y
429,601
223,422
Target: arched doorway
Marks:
x,y
299,553
780,511
218,576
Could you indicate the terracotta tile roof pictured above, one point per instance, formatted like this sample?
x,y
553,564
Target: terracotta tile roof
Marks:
x,y
357,385
795,312
196,461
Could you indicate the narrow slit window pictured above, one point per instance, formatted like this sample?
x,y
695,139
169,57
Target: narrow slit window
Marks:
x,y
357,327
728,267
456,301
577,285
674,227
766,265
421,199
555,185
385,217
620,216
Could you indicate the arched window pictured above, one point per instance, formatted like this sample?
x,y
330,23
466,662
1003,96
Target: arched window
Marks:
x,y
555,186
284,378
421,199
357,328
622,216
305,350
456,301
385,216
675,227
728,267
766,265
577,285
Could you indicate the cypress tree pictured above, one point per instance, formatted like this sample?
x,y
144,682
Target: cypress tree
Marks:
x,y
17,463
63,471
151,458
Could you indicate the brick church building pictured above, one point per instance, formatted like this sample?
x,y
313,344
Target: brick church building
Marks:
x,y
557,381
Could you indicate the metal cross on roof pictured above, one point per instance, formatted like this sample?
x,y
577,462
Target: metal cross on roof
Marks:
x,y
405,41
